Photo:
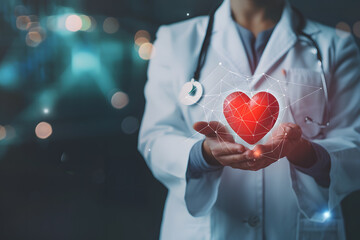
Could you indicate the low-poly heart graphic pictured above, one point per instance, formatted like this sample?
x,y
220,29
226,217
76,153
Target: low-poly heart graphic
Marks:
x,y
251,118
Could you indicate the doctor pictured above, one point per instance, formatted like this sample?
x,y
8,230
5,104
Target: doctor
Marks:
x,y
222,189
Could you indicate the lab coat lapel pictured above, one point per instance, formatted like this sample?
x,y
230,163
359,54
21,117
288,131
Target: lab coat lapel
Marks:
x,y
282,39
227,42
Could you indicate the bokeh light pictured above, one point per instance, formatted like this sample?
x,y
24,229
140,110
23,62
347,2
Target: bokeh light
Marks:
x,y
356,29
130,125
73,23
142,33
46,111
2,132
22,22
142,37
43,130
35,36
119,100
93,24
140,41
342,29
111,25
146,51
32,25
86,23
33,22
33,39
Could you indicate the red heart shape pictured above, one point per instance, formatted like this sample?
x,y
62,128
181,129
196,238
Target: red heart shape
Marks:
x,y
251,118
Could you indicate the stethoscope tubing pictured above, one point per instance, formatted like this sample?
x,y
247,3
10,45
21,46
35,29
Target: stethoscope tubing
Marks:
x,y
206,43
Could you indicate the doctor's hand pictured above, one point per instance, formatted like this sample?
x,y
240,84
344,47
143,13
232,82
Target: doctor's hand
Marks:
x,y
286,141
219,147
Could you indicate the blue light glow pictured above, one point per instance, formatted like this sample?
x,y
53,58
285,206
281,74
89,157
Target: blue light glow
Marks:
x,y
8,75
85,61
327,215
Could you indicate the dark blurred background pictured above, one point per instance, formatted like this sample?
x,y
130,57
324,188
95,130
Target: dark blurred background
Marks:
x,y
71,99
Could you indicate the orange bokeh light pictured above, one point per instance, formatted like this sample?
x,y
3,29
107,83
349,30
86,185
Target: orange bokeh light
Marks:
x,y
22,22
146,51
43,130
142,34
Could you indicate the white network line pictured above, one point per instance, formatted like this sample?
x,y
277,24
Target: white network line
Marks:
x,y
210,101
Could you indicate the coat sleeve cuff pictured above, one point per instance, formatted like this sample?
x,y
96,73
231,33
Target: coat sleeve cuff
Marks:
x,y
320,171
197,163
202,182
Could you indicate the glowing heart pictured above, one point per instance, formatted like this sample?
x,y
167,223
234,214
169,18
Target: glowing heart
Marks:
x,y
251,118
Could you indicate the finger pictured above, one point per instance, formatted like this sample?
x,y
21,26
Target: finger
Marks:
x,y
226,148
263,163
228,160
213,129
249,154
290,130
255,164
294,132
267,152
203,128
258,150
259,153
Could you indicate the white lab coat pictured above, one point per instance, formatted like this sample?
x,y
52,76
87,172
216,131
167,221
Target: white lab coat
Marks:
x,y
287,203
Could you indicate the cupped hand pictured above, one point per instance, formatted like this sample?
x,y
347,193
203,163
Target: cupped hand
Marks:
x,y
219,147
285,141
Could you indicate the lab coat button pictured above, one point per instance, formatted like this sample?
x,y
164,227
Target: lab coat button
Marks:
x,y
253,221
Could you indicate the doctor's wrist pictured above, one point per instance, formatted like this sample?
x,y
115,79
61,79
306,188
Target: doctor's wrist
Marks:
x,y
208,156
303,155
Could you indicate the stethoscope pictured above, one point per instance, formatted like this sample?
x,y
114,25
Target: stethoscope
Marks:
x,y
192,91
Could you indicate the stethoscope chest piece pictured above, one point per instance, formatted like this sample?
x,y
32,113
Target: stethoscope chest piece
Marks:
x,y
191,92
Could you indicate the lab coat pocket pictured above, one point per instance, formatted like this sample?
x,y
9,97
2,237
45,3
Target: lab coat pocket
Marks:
x,y
306,98
331,229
